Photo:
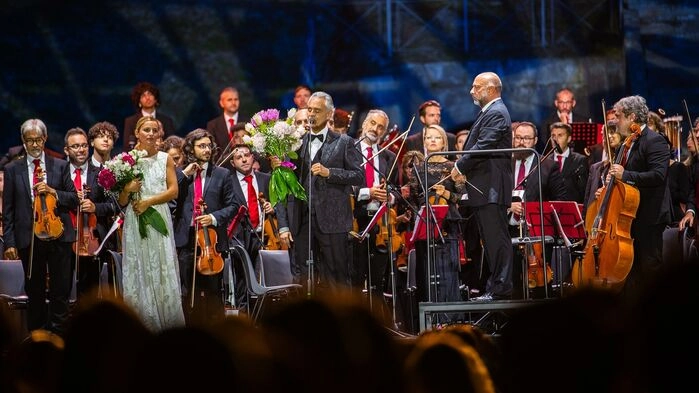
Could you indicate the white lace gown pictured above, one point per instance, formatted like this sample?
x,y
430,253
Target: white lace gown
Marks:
x,y
150,270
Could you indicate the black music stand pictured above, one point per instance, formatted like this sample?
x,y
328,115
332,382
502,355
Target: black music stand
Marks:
x,y
563,221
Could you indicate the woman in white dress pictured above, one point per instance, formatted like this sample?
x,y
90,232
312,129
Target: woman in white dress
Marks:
x,y
150,271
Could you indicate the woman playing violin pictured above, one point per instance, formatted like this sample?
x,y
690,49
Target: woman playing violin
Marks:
x,y
442,190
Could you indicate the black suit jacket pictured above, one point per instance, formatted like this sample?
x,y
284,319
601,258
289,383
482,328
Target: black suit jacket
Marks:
x,y
647,169
490,173
386,159
263,187
552,186
105,206
545,132
575,172
330,196
130,127
219,198
17,207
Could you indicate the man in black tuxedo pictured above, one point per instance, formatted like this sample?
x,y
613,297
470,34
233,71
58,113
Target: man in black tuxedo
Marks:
x,y
145,96
430,113
220,203
645,167
22,181
574,166
490,182
369,197
93,200
564,102
328,166
527,187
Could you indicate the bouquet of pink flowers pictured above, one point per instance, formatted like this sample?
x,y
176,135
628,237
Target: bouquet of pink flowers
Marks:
x,y
272,136
116,174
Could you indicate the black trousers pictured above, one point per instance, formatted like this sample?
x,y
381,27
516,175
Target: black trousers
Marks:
x,y
332,256
51,265
497,246
208,289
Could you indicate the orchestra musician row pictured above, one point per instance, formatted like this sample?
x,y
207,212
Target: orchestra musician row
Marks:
x,y
337,166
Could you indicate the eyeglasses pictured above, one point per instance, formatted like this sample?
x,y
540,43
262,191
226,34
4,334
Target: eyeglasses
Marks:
x,y
524,138
205,146
79,146
35,141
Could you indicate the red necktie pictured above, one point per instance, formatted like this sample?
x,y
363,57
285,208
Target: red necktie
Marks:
x,y
369,167
78,182
196,210
231,123
560,162
37,170
252,203
520,177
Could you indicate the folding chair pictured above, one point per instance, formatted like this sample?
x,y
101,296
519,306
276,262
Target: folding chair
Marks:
x,y
259,292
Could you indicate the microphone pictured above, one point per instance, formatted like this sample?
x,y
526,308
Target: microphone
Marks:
x,y
236,220
556,146
360,140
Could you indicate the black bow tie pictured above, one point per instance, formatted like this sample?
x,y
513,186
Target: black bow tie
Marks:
x,y
317,136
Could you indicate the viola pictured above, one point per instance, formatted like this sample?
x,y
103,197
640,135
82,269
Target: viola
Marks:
x,y
87,241
271,230
47,226
608,256
209,261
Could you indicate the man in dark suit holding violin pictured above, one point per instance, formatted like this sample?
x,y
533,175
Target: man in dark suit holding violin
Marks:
x,y
490,182
645,167
369,197
95,207
48,178
201,181
527,188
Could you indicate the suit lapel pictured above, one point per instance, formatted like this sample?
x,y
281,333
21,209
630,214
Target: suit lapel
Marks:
x,y
328,148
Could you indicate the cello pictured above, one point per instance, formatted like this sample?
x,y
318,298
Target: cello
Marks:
x,y
608,255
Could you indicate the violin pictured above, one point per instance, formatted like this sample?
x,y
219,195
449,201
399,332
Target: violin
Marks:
x,y
87,242
387,231
271,230
209,261
47,226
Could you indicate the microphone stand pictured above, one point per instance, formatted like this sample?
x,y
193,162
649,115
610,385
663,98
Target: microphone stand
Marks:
x,y
309,262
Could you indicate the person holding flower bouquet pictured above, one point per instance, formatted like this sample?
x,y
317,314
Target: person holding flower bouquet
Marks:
x,y
150,273
329,163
